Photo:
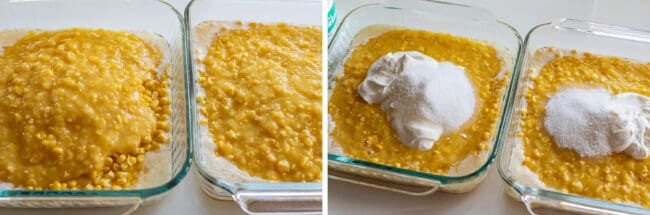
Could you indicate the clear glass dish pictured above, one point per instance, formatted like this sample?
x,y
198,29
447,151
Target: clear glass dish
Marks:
x,y
253,197
461,20
585,37
142,16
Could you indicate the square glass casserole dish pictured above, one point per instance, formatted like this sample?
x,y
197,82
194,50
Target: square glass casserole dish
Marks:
x,y
458,20
150,16
226,182
565,34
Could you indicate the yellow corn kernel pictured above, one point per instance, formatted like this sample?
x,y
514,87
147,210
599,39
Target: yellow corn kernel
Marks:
x,y
615,177
56,70
246,118
357,121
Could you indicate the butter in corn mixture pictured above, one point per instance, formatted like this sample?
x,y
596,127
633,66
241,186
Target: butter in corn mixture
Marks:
x,y
262,102
80,109
363,130
614,177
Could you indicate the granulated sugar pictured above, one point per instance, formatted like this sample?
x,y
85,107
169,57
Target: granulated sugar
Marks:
x,y
439,91
577,119
595,123
423,98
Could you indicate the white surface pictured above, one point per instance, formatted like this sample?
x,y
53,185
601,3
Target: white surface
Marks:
x,y
187,198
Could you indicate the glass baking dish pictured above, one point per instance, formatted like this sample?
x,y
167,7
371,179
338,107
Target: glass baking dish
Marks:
x,y
567,34
151,16
253,197
461,20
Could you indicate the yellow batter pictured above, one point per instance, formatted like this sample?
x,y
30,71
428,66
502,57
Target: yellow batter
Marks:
x,y
79,109
362,129
262,100
616,177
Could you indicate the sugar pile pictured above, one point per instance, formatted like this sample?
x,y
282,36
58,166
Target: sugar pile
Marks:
x,y
594,123
423,98
578,120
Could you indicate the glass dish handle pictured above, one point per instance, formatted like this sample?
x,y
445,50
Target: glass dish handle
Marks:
x,y
605,30
280,202
414,189
48,205
447,8
540,205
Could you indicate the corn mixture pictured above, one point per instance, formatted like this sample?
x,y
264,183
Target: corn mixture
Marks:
x,y
363,130
79,109
262,100
616,177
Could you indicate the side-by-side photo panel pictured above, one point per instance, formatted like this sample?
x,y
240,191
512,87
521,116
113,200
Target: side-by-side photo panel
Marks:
x,y
342,107
424,96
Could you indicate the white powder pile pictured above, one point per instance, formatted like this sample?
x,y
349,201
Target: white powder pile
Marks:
x,y
422,97
577,119
594,123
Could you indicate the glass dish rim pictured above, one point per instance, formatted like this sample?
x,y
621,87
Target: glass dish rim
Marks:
x,y
498,137
523,189
140,193
234,187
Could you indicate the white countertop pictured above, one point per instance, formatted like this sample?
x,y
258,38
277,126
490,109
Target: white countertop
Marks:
x,y
187,198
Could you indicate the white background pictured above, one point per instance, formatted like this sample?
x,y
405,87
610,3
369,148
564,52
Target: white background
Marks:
x,y
187,198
